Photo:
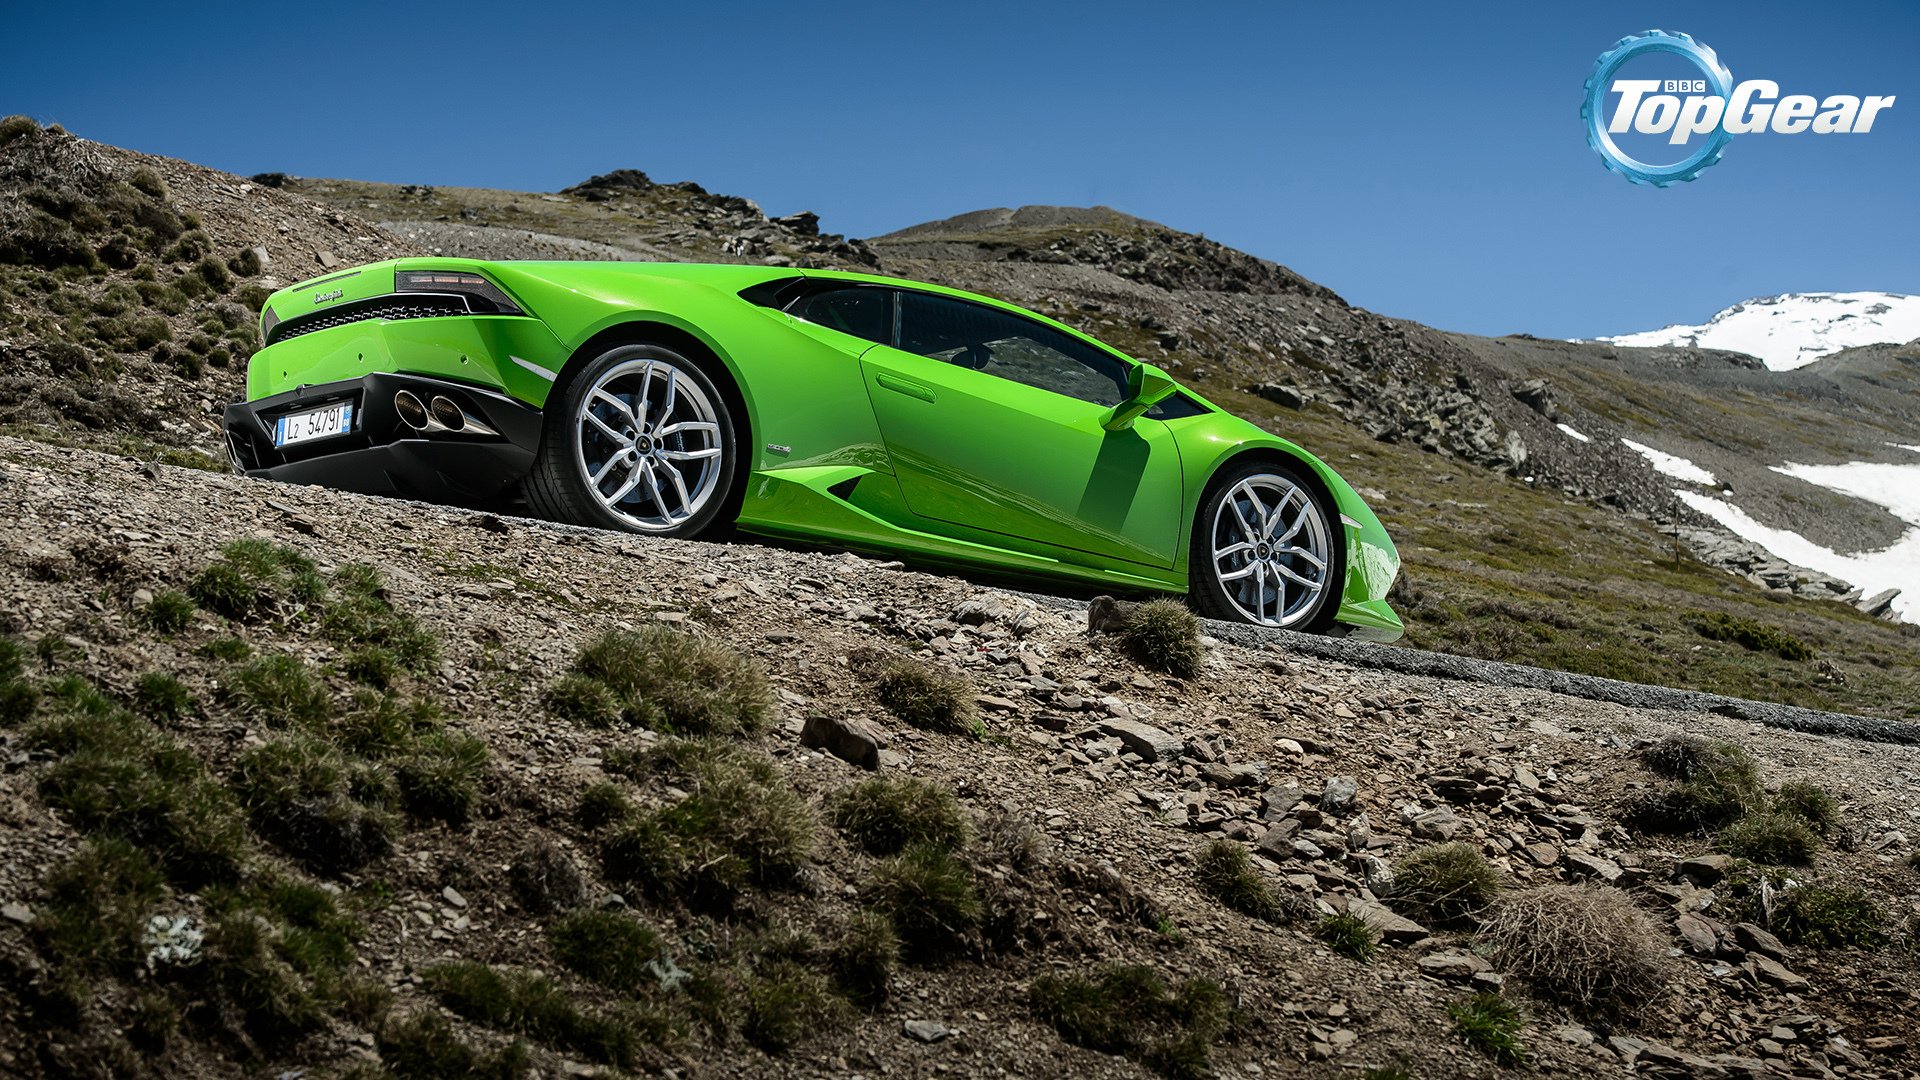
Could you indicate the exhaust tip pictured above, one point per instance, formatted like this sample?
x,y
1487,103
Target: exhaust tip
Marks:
x,y
411,409
447,413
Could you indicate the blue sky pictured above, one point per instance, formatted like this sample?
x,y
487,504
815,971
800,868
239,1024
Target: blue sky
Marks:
x,y
1425,160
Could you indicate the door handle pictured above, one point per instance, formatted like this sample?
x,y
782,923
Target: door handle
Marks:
x,y
905,386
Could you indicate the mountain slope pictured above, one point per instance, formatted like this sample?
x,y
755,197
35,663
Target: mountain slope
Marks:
x,y
1794,329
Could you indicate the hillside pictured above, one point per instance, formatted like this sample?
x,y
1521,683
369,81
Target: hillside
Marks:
x,y
301,783
240,842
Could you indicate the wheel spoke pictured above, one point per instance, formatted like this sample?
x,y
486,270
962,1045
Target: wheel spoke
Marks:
x,y
614,403
1295,578
639,407
601,476
690,455
687,426
1299,522
653,488
1236,575
632,481
666,405
680,488
605,429
1317,561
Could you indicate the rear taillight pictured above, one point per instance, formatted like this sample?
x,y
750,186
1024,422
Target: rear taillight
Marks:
x,y
482,295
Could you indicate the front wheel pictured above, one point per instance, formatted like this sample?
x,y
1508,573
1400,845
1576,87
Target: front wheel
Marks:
x,y
1265,550
641,440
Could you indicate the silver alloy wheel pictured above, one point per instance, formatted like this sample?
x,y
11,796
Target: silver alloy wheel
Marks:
x,y
1271,550
649,446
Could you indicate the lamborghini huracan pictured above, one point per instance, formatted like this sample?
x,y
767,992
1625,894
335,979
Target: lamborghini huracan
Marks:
x,y
834,408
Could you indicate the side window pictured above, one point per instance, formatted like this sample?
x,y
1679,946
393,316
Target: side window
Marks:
x,y
1003,344
865,312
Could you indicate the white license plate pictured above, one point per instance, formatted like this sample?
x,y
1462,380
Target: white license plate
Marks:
x,y
321,423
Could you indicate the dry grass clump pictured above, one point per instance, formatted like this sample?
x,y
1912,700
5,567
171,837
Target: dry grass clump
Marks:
x,y
1163,635
929,896
925,696
529,1003
316,805
1586,946
1828,916
1445,884
1131,1010
885,815
666,680
612,948
862,960
1810,803
424,1046
1225,873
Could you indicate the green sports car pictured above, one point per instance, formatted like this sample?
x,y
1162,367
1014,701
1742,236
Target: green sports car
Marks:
x,y
837,408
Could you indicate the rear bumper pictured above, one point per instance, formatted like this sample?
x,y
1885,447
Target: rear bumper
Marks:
x,y
381,454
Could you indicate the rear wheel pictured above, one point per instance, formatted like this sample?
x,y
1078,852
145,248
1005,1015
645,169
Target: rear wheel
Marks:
x,y
1265,550
640,440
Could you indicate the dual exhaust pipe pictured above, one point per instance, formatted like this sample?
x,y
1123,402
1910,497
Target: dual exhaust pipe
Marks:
x,y
439,413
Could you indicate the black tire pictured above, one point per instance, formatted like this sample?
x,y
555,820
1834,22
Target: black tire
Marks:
x,y
560,487
1230,600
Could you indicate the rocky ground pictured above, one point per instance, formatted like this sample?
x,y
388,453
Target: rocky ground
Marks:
x,y
1328,775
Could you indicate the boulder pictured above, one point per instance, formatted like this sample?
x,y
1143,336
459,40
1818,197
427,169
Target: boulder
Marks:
x,y
849,739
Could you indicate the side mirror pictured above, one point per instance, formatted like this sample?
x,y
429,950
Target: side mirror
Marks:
x,y
1147,386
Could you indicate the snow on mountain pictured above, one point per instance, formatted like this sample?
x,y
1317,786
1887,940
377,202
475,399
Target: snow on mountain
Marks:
x,y
1796,329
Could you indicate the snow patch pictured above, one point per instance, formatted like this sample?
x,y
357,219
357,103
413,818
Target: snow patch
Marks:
x,y
1873,572
1795,329
1567,430
1677,467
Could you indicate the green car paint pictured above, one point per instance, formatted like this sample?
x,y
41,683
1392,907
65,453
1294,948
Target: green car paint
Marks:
x,y
976,470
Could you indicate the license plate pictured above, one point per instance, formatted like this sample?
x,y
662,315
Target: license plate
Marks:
x,y
321,423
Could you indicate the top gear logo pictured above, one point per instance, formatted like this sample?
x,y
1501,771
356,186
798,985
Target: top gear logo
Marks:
x,y
1711,109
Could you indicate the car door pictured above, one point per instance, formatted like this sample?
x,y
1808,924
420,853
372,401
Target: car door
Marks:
x,y
993,423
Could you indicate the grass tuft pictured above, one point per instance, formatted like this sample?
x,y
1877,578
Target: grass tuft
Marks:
x,y
1586,946
1490,1024
739,825
602,804
884,815
169,612
1771,839
301,794
530,1004
1810,803
863,959
1225,873
611,948
161,698
1445,884
1130,1010
670,681
255,579
440,778
281,691
1752,634
924,696
1163,635
929,896
425,1047
1718,783
1349,935
1828,916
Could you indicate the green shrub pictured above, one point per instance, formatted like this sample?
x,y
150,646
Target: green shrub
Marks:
x,y
300,793
385,726
230,649
13,127
885,815
169,612
1490,1024
1753,635
1771,839
1225,873
739,825
863,958
281,691
1810,803
1828,916
611,948
785,1003
930,899
161,697
673,681
440,778
1586,946
251,991
214,273
1130,1010
424,1047
1163,635
1445,884
1349,935
919,694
